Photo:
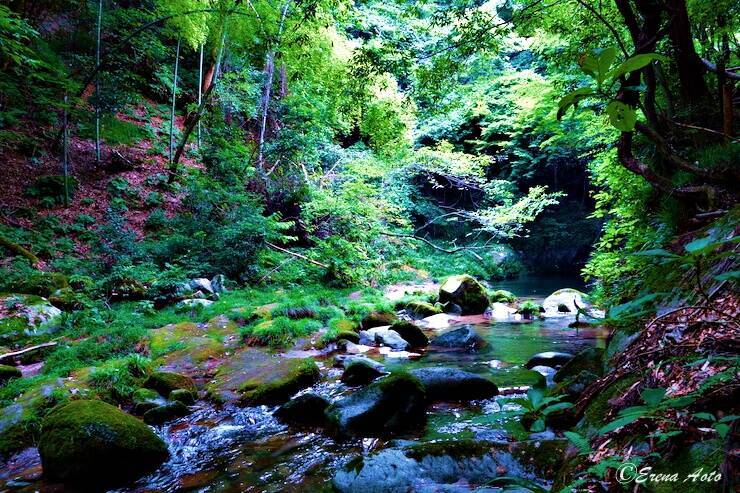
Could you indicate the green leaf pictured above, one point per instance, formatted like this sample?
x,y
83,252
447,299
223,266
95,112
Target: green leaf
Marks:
x,y
538,426
572,99
634,63
701,245
729,419
652,397
598,63
556,407
722,429
623,117
579,441
656,252
733,275
535,396
618,423
706,416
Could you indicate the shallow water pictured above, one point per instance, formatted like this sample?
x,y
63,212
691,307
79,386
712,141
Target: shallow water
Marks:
x,y
247,449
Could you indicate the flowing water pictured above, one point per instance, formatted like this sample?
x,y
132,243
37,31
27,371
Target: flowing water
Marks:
x,y
246,449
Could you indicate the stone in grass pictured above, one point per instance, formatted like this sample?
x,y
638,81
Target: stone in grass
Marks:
x,y
93,444
453,384
465,292
410,333
277,387
392,404
165,382
8,373
163,414
305,409
361,373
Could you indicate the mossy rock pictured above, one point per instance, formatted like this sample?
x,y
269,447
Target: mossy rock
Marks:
x,y
422,309
573,386
184,396
344,325
162,414
457,449
279,386
465,292
392,404
361,372
165,382
410,333
40,283
706,456
377,319
502,296
543,456
264,311
305,409
348,335
8,373
589,360
596,412
68,300
95,445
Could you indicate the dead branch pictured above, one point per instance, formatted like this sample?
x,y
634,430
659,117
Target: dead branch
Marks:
x,y
297,255
27,350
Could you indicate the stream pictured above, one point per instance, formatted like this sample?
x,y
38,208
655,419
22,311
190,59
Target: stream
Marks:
x,y
235,449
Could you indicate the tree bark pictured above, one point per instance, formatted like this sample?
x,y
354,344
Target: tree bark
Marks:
x,y
174,99
688,64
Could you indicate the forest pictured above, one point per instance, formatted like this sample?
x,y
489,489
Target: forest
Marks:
x,y
365,246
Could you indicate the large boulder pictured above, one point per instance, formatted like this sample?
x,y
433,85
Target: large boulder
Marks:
x,y
165,382
279,385
165,413
463,338
305,409
383,336
410,333
564,301
27,315
453,384
421,309
392,404
553,359
95,445
465,292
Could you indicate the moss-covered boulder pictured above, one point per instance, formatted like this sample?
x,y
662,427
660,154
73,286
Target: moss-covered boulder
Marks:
x,y
165,413
95,445
361,372
27,315
502,296
598,409
453,384
146,399
573,386
393,404
589,360
410,333
68,300
8,373
184,396
377,319
279,385
165,382
421,309
465,292
305,409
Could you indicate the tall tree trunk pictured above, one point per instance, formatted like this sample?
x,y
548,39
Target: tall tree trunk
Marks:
x,y
97,83
724,84
65,149
269,76
688,64
174,97
198,113
200,88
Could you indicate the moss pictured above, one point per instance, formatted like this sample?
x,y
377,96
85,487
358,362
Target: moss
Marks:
x,y
422,309
39,283
167,412
457,449
594,416
184,396
67,299
297,376
466,292
95,444
706,456
343,325
502,296
378,319
145,395
410,333
165,382
590,360
9,372
544,456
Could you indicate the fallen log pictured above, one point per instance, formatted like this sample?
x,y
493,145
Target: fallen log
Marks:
x,y
22,352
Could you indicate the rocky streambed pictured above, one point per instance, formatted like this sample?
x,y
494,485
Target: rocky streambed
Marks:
x,y
370,414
